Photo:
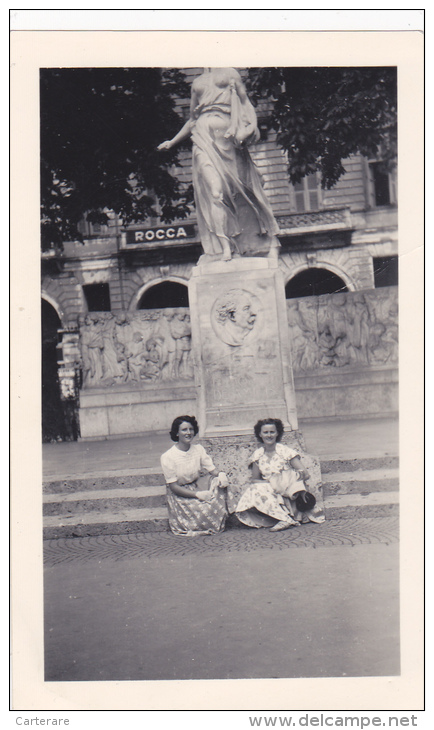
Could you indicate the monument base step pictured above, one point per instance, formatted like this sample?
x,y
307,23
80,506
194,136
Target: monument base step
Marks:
x,y
123,504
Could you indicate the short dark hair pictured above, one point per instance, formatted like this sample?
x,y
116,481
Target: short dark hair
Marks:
x,y
269,422
177,422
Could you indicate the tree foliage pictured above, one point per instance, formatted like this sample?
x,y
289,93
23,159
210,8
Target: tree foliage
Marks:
x,y
324,115
99,131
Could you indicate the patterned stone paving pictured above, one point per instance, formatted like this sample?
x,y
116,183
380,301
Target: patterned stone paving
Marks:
x,y
332,533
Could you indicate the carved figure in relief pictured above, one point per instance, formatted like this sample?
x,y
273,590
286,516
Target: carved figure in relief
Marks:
x,y
133,352
296,334
92,346
123,333
391,338
136,347
336,310
168,344
378,351
150,365
326,347
383,344
307,309
180,329
358,328
233,213
234,316
114,365
347,329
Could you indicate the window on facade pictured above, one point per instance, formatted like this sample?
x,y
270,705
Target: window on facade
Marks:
x,y
314,282
165,295
382,185
385,271
307,193
92,229
97,297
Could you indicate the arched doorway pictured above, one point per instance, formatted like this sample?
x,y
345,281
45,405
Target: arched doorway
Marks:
x,y
314,282
166,294
58,424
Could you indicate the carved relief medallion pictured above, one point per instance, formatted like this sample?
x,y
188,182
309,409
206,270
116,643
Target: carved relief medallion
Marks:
x,y
234,316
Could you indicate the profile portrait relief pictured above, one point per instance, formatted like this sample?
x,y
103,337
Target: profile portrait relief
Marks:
x,y
234,316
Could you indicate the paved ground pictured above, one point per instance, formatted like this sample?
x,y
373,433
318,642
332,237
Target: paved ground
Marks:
x,y
349,439
314,601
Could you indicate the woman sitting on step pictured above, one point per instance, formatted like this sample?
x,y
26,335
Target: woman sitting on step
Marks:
x,y
196,495
277,497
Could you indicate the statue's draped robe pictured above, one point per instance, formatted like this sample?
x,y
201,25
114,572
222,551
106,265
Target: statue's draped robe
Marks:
x,y
230,201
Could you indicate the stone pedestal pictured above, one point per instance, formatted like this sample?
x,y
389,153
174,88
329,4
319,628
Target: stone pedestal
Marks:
x,y
240,346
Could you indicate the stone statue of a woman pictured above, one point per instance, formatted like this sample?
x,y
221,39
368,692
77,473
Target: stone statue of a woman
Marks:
x,y
233,213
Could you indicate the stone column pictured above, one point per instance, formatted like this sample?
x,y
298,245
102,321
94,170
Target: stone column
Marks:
x,y
241,346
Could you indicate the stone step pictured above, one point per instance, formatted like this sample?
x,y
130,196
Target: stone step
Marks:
x,y
105,480
121,522
365,464
123,504
103,500
375,504
331,471
360,482
154,519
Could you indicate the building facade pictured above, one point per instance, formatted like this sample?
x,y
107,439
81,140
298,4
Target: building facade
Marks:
x,y
115,323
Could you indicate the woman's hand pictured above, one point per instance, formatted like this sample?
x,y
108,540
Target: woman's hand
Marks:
x,y
303,475
204,496
223,480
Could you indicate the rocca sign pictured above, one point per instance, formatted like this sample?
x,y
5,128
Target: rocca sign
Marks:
x,y
162,233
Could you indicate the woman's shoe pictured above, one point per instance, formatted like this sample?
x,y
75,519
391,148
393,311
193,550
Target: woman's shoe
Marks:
x,y
280,526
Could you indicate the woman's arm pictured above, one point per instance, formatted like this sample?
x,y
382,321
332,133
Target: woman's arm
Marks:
x,y
181,491
296,464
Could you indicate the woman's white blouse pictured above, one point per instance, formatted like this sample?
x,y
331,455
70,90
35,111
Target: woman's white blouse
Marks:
x,y
278,462
186,465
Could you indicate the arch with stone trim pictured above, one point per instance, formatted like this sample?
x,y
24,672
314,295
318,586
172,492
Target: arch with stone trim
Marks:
x,y
141,292
324,266
59,311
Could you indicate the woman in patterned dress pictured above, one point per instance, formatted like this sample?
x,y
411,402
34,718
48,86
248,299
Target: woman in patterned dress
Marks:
x,y
278,479
195,507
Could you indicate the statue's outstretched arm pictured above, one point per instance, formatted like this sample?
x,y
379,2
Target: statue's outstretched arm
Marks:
x,y
186,129
182,134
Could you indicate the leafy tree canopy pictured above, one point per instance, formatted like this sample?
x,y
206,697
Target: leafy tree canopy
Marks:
x,y
100,128
324,115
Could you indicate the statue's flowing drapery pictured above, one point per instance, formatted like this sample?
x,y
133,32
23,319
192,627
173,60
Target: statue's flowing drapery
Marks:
x,y
230,201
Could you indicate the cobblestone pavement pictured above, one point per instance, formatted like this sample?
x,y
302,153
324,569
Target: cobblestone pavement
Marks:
x,y
332,533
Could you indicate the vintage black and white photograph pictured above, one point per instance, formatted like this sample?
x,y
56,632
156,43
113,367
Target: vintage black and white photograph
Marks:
x,y
220,337
220,341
